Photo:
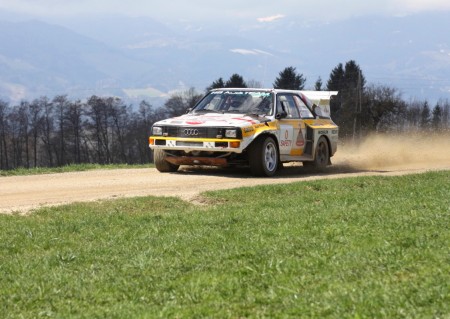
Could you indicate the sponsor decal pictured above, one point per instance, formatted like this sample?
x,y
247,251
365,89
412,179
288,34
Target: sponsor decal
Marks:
x,y
245,120
194,122
323,132
285,143
248,129
300,139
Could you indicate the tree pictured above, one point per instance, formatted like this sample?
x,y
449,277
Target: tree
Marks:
x,y
98,112
445,106
346,109
119,120
144,119
288,79
74,131
4,133
61,105
217,84
47,127
425,116
34,119
254,84
436,121
336,80
318,84
179,103
236,81
383,108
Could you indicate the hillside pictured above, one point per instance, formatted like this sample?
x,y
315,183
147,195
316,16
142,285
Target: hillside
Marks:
x,y
142,56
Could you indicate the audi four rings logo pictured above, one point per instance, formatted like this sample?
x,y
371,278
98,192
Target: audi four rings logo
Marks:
x,y
190,132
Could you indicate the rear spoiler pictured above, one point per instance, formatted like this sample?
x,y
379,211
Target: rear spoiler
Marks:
x,y
322,100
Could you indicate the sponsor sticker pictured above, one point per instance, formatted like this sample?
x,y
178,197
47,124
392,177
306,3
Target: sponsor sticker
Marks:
x,y
285,143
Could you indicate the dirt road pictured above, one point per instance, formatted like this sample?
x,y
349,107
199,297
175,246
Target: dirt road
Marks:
x,y
377,156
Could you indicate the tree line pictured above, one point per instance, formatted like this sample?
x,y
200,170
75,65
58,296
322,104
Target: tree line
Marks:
x,y
56,132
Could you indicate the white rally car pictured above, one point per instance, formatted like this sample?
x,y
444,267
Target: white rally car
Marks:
x,y
260,128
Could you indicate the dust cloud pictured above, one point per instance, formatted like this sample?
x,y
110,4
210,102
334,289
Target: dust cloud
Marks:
x,y
387,152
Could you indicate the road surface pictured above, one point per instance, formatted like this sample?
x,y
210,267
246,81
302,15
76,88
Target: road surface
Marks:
x,y
25,193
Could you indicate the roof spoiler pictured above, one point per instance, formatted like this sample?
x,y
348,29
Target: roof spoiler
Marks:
x,y
322,100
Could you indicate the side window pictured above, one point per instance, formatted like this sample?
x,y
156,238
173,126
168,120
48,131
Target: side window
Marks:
x,y
305,112
286,102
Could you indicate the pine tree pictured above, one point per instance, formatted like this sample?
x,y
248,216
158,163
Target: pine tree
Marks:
x,y
288,79
345,108
336,80
425,116
436,120
318,84
217,84
236,81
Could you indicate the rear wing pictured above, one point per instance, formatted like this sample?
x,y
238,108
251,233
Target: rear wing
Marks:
x,y
322,100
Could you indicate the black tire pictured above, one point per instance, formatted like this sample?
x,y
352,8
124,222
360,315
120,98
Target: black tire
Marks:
x,y
263,157
321,155
161,164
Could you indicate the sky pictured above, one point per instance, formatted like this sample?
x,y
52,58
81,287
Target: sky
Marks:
x,y
215,16
223,11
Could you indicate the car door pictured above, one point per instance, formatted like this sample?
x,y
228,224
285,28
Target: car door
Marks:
x,y
291,139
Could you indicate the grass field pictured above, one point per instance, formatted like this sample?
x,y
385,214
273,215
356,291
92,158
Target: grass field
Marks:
x,y
67,168
368,247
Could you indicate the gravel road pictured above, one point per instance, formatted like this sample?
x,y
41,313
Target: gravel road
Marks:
x,y
378,156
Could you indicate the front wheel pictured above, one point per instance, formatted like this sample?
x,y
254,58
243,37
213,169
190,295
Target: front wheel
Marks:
x,y
263,157
321,155
161,164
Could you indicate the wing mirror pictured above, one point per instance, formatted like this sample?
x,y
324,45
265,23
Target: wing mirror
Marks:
x,y
281,115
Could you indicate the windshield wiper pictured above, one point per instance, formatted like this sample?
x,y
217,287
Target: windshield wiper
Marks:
x,y
255,114
207,111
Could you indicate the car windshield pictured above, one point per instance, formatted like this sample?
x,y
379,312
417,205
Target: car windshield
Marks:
x,y
242,102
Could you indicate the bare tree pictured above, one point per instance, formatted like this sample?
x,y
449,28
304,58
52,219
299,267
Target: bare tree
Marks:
x,y
120,117
98,112
383,108
47,126
61,106
179,103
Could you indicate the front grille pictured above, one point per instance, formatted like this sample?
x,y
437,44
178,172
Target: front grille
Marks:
x,y
196,132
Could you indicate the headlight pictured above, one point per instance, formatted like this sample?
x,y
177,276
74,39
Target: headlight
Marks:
x,y
157,130
231,133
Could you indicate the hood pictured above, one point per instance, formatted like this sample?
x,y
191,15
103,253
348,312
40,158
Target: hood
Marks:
x,y
212,120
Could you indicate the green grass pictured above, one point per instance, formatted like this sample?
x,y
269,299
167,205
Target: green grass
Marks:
x,y
368,247
67,168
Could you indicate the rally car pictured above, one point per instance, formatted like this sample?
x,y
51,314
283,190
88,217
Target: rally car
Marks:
x,y
258,128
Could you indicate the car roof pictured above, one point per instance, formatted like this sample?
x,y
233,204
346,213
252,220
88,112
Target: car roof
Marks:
x,y
257,90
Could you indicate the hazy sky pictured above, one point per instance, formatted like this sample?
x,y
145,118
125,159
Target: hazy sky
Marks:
x,y
221,11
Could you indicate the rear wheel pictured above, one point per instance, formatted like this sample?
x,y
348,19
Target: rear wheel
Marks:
x,y
321,155
263,157
161,164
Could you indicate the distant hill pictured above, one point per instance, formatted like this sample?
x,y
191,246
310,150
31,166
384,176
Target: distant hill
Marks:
x,y
144,58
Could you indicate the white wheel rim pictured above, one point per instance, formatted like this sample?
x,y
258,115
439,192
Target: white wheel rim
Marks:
x,y
270,157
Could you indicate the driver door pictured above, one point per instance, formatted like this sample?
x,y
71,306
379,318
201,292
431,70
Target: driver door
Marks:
x,y
291,139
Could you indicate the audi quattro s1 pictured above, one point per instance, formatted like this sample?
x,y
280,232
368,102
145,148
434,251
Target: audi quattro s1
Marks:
x,y
258,128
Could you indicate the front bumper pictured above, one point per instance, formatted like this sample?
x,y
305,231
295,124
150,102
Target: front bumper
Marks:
x,y
193,144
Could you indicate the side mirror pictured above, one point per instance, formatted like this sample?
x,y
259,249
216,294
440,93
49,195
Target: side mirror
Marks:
x,y
281,115
314,108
